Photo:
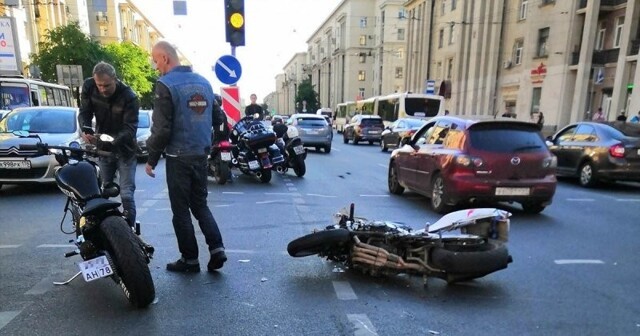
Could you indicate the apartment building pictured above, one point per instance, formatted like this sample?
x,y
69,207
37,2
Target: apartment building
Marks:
x,y
295,71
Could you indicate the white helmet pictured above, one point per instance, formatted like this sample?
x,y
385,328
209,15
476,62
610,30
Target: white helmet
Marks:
x,y
292,132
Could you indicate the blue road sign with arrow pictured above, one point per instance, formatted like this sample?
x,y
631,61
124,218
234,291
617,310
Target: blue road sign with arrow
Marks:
x,y
228,69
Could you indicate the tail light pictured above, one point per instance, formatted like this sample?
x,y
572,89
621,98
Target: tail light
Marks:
x,y
465,164
617,151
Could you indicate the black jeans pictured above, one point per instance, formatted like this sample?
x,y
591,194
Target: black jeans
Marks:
x,y
187,182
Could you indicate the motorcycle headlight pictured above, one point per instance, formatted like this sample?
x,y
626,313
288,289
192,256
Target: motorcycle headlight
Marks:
x,y
74,144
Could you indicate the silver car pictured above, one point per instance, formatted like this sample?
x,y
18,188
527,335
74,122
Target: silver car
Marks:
x,y
54,125
313,129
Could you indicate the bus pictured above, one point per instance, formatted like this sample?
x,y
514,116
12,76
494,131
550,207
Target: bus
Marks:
x,y
344,112
21,92
405,105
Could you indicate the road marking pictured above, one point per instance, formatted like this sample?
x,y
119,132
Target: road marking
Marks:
x,y
164,209
374,195
293,189
628,199
268,202
222,205
578,261
7,316
318,195
41,287
240,251
362,325
56,245
344,291
336,149
233,192
9,246
580,199
278,193
383,166
289,184
298,200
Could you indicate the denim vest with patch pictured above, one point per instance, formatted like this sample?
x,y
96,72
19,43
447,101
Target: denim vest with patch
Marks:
x,y
192,98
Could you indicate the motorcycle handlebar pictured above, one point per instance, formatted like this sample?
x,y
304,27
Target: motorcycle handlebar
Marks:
x,y
45,147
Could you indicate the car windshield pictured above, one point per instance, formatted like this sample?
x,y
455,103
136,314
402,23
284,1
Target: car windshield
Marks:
x,y
144,120
414,123
506,140
40,121
311,122
371,122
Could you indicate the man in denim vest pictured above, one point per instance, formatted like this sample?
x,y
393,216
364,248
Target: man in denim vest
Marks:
x,y
182,118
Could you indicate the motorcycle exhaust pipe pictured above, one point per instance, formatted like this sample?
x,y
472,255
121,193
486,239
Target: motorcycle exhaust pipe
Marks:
x,y
234,161
259,174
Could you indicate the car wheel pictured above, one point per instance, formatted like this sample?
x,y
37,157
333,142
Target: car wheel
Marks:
x,y
355,140
317,148
587,177
438,195
392,180
532,207
370,142
383,147
344,138
327,149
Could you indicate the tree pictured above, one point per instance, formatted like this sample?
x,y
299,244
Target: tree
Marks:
x,y
307,92
133,67
67,45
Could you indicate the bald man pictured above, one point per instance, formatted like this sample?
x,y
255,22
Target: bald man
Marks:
x,y
182,119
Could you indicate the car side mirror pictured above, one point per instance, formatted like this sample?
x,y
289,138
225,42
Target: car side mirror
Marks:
x,y
549,143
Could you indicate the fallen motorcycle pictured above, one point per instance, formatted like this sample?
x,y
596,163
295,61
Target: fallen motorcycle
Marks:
x,y
104,239
388,248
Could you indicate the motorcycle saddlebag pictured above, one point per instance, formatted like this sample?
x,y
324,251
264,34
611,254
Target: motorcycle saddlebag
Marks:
x,y
260,139
489,228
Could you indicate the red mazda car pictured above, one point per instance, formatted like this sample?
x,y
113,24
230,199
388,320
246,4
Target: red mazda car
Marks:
x,y
453,160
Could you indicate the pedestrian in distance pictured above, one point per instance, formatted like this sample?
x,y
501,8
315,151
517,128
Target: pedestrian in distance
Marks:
x,y
598,116
635,118
540,120
115,107
622,116
253,108
182,120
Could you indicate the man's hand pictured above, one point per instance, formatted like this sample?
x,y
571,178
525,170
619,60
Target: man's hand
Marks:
x,y
88,138
149,170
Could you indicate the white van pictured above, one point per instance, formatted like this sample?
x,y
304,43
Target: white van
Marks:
x,y
327,113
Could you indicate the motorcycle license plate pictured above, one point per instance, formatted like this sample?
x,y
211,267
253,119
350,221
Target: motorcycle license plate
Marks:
x,y
95,269
254,165
225,156
298,150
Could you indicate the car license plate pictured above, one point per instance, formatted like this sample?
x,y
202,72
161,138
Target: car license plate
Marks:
x,y
254,165
24,164
374,132
512,191
95,269
298,150
225,156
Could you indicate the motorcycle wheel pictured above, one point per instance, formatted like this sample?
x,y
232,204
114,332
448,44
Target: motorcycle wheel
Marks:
x,y
299,167
130,262
317,242
222,171
266,176
465,262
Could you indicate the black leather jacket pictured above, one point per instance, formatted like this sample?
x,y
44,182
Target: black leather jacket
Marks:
x,y
116,115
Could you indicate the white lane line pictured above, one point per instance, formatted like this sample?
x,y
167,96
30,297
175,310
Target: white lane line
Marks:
x,y
268,202
298,200
222,205
240,251
383,166
9,246
374,195
344,291
289,184
578,261
628,199
580,199
279,194
7,316
233,192
55,245
336,149
318,195
163,209
362,324
41,287
293,189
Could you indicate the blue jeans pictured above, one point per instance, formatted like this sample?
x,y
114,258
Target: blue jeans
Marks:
x,y
127,181
187,183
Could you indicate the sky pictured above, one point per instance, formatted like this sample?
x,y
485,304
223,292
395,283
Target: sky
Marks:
x,y
274,31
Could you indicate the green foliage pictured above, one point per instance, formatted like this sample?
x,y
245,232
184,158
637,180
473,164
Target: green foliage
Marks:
x,y
133,66
67,45
307,92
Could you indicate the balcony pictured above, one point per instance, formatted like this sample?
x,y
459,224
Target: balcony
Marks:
x,y
602,57
603,3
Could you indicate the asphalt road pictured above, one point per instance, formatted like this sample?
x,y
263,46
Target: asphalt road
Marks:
x,y
575,268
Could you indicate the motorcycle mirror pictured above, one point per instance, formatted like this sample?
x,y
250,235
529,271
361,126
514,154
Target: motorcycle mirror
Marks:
x,y
106,138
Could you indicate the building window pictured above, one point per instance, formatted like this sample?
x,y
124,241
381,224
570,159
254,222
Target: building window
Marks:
x,y
402,14
535,100
543,37
453,5
361,92
362,57
400,34
517,52
618,34
398,72
363,22
452,33
547,2
600,37
400,53
440,38
442,8
363,40
450,68
439,70
361,75
524,4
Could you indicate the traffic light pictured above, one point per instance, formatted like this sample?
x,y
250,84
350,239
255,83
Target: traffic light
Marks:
x,y
234,16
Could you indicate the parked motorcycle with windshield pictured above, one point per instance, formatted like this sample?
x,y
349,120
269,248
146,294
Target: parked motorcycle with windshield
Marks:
x,y
256,152
293,151
460,246
103,238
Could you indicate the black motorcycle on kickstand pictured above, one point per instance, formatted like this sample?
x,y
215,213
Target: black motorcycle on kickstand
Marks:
x,y
293,151
104,239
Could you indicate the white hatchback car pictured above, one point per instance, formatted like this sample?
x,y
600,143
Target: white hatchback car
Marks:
x,y
53,125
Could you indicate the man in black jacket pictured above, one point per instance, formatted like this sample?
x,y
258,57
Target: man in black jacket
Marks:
x,y
115,107
254,108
